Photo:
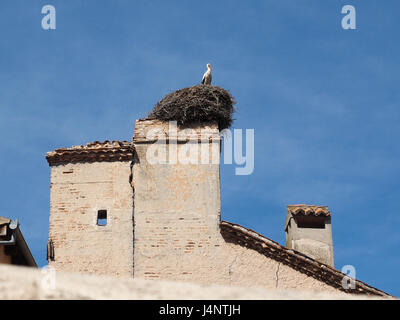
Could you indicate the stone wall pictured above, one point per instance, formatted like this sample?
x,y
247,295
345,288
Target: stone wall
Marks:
x,y
78,191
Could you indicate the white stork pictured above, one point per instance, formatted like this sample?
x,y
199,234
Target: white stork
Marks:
x,y
207,77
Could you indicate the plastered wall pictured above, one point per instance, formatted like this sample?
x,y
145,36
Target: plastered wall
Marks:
x,y
78,191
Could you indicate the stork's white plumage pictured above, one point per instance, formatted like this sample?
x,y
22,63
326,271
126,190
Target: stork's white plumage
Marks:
x,y
207,77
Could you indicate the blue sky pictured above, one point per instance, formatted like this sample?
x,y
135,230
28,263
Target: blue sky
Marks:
x,y
323,102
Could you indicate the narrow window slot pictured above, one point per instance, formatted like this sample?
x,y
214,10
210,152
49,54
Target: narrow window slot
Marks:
x,y
102,217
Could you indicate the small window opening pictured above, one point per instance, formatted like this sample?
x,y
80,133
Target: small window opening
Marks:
x,y
102,217
310,222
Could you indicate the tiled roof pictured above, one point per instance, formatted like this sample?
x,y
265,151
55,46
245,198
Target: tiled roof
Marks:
x,y
92,152
4,220
250,239
302,209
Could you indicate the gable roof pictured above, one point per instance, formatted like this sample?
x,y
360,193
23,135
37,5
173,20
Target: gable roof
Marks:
x,y
92,152
248,238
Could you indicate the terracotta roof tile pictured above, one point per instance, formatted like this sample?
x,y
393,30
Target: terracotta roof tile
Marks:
x,y
302,209
250,239
92,152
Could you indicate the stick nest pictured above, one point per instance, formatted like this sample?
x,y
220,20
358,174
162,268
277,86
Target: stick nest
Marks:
x,y
201,103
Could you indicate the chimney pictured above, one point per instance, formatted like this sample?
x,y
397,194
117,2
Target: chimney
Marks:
x,y
177,200
308,230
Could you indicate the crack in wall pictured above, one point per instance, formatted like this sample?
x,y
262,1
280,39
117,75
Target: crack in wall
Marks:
x,y
277,275
230,269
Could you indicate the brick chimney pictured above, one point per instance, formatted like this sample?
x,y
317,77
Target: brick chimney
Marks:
x,y
308,230
177,201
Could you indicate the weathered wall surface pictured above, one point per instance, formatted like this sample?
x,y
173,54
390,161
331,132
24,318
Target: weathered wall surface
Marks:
x,y
30,283
241,266
3,257
177,210
177,236
78,191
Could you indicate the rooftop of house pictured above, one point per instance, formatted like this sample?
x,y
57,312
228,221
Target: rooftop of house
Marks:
x,y
11,237
248,238
124,151
92,152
